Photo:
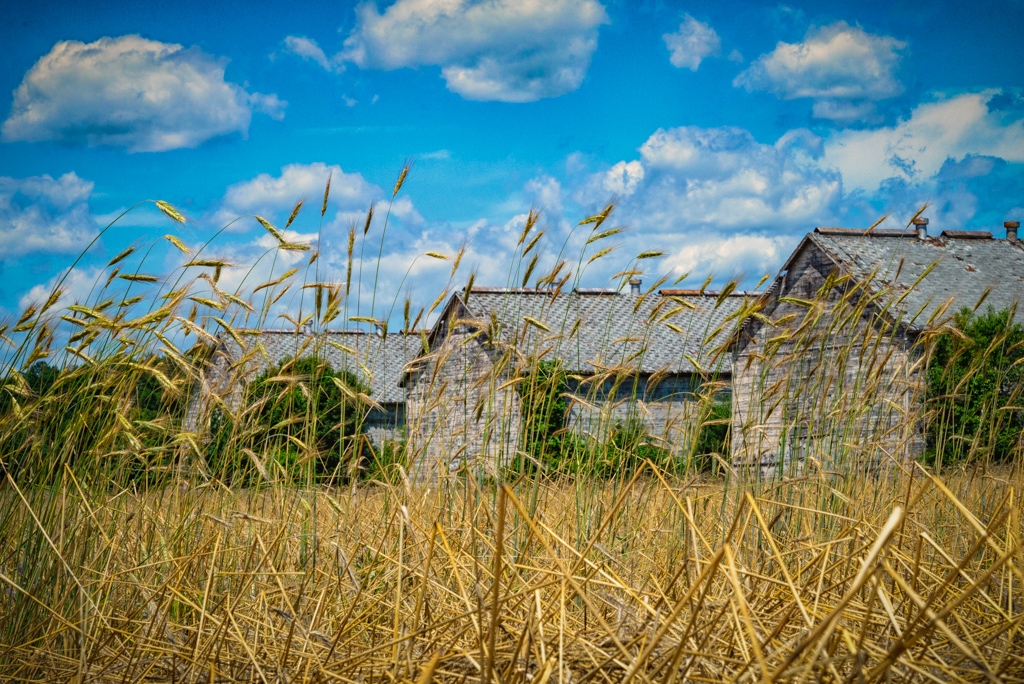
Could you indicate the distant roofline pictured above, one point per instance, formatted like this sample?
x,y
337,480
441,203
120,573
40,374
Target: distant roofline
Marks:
x,y
967,234
599,291
540,291
330,331
900,233
509,290
705,293
863,232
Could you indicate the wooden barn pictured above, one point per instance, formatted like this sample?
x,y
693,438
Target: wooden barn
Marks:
x,y
629,355
831,368
377,361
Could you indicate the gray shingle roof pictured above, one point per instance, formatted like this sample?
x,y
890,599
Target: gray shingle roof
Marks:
x,y
377,362
593,329
966,265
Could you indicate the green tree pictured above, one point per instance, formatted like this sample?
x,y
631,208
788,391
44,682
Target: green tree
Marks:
x,y
628,446
713,435
41,376
309,414
975,379
543,408
59,419
385,463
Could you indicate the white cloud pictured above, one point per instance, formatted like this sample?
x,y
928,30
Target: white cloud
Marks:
x,y
716,200
845,110
307,48
623,178
692,43
736,256
916,148
43,215
504,50
130,92
834,65
725,178
273,196
77,283
404,209
271,105
547,194
438,155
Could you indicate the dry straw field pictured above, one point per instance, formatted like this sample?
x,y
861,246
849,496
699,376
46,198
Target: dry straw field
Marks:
x,y
131,550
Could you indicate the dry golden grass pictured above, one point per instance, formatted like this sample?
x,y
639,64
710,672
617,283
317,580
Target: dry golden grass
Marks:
x,y
815,579
125,558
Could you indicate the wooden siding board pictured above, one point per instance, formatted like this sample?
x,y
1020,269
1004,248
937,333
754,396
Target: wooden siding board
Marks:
x,y
781,404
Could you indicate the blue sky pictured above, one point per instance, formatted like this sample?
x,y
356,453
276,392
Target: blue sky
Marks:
x,y
722,131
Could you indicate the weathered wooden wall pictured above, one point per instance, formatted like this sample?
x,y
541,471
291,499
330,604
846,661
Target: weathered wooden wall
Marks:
x,y
458,413
669,410
834,383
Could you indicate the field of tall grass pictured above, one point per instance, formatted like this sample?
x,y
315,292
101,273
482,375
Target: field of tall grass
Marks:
x,y
260,545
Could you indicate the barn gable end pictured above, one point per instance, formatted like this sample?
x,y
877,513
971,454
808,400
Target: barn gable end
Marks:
x,y
838,380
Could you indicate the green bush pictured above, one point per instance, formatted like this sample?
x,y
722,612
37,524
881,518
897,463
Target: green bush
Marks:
x,y
628,446
713,435
64,412
41,376
386,463
546,441
975,379
307,407
544,407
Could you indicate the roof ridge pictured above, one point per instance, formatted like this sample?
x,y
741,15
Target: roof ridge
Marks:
x,y
967,234
865,232
672,292
508,290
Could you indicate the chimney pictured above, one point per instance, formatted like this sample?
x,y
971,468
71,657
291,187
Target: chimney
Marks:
x,y
1011,230
634,286
921,225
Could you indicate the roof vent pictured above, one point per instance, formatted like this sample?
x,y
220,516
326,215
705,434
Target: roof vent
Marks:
x,y
634,285
1011,230
921,226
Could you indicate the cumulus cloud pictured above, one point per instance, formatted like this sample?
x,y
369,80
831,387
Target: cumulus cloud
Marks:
x,y
916,148
43,215
273,195
130,92
271,105
77,284
692,43
308,49
734,256
623,178
718,201
842,68
723,177
546,192
503,50
405,210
